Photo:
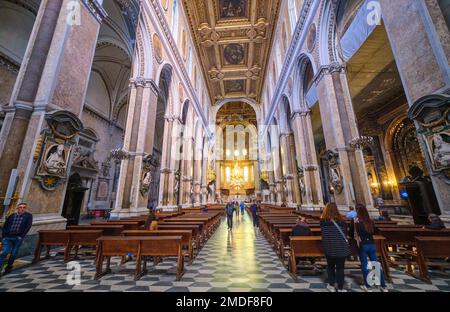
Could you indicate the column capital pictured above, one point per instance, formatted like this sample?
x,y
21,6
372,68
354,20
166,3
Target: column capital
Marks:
x,y
145,83
302,113
329,69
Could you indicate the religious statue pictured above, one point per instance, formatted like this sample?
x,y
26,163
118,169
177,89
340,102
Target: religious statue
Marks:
x,y
301,180
176,186
441,150
147,180
211,188
56,163
335,180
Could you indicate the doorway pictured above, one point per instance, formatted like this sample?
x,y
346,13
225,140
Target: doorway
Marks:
x,y
74,199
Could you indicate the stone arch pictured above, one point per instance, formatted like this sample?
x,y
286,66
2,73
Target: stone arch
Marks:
x,y
299,100
215,109
327,33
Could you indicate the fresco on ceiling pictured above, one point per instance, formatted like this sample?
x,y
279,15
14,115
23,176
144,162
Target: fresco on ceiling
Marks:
x,y
234,86
234,53
233,8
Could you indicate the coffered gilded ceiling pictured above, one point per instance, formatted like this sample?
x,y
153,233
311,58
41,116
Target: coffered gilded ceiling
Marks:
x,y
233,39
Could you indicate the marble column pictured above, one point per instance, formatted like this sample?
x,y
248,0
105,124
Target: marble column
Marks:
x,y
340,128
168,165
289,163
421,24
53,77
138,143
197,176
312,198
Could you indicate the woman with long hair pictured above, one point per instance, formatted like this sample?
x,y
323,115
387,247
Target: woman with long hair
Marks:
x,y
362,230
335,245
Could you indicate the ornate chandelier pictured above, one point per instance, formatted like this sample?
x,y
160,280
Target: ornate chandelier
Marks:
x,y
361,142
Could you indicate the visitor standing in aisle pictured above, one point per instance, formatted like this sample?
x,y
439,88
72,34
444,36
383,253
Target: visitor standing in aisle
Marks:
x,y
230,211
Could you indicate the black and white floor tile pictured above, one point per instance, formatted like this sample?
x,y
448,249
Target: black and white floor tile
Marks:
x,y
240,260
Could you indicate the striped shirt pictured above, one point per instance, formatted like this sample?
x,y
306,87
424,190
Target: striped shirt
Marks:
x,y
333,242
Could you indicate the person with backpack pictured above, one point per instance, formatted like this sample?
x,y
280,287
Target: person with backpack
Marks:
x,y
362,229
335,245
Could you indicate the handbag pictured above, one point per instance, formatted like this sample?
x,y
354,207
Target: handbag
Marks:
x,y
356,235
340,231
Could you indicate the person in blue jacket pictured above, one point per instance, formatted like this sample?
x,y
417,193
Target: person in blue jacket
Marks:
x,y
14,231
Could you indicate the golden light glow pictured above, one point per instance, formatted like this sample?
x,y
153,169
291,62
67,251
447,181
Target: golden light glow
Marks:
x,y
228,152
236,153
228,173
246,174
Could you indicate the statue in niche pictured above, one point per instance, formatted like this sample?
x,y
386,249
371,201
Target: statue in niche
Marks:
x,y
301,180
441,150
147,180
211,189
56,162
176,187
335,180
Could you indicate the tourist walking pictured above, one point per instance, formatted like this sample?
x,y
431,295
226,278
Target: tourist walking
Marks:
x,y
254,211
230,210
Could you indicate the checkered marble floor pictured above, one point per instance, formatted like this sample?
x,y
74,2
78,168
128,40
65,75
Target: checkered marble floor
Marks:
x,y
237,261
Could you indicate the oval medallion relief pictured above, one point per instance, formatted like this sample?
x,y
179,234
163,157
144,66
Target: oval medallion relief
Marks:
x,y
158,48
311,41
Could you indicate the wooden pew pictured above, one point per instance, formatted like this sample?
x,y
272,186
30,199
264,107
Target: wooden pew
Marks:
x,y
426,248
107,230
128,225
186,239
196,234
142,247
67,239
311,246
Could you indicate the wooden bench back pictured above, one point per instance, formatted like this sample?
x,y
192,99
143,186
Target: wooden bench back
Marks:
x,y
406,236
108,230
186,235
433,247
162,246
73,237
119,246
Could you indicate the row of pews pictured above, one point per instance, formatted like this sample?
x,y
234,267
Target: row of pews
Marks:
x,y
410,243
179,235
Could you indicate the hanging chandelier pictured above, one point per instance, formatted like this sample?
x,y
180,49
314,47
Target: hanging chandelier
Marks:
x,y
361,142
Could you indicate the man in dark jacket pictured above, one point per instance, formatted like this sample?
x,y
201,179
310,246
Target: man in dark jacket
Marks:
x,y
230,210
14,231
254,211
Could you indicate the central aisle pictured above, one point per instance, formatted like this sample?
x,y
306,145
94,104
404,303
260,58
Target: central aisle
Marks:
x,y
238,260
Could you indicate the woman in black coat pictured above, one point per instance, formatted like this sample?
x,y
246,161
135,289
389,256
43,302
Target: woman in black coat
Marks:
x,y
335,245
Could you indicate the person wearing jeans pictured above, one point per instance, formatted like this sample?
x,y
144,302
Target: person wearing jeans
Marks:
x,y
362,229
14,231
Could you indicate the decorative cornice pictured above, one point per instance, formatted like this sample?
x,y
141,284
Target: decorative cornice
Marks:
x,y
96,9
308,12
9,64
328,70
145,83
179,59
